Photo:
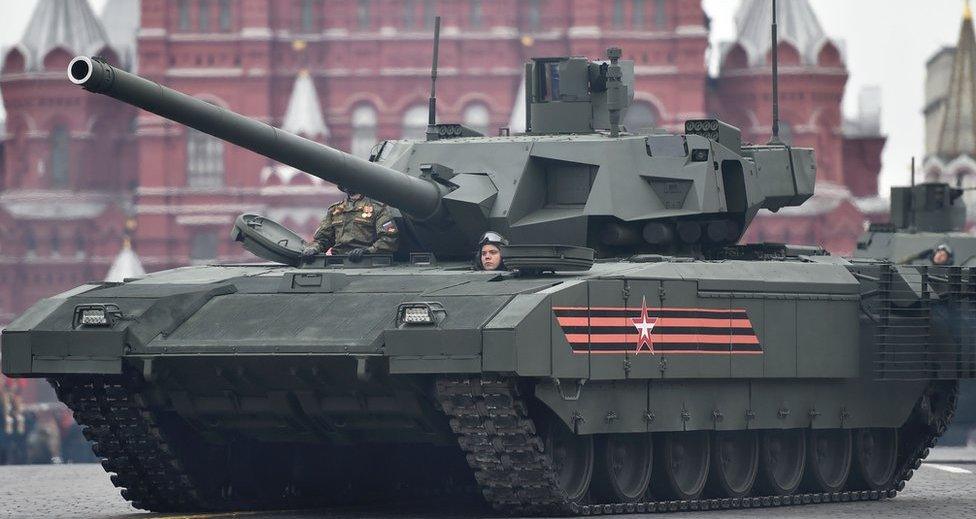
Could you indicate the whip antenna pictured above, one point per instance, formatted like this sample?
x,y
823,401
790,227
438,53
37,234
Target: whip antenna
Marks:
x,y
432,100
775,44
911,199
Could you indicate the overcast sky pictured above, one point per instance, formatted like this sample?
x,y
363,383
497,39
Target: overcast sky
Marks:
x,y
887,43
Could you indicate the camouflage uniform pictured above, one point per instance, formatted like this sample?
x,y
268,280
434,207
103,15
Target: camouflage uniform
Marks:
x,y
362,223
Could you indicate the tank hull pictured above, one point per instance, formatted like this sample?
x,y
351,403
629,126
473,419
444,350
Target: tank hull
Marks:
x,y
219,363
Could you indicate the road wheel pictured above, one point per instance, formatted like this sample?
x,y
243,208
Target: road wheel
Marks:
x,y
782,459
735,463
623,467
828,460
572,460
875,457
681,465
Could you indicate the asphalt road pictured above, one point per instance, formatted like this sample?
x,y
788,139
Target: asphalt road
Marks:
x,y
944,489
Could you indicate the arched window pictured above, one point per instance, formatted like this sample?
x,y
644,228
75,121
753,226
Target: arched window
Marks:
x,y
363,15
204,15
308,21
60,156
409,14
477,117
30,243
55,243
184,14
618,13
429,14
224,15
415,122
204,160
640,117
363,131
476,13
81,244
533,15
660,14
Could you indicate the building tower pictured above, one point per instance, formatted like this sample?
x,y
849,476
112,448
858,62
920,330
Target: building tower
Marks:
x,y
951,114
68,166
812,78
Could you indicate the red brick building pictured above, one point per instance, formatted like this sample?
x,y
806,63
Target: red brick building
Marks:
x,y
350,73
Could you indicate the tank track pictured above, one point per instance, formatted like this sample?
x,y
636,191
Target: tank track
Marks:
x,y
138,453
493,426
505,452
129,443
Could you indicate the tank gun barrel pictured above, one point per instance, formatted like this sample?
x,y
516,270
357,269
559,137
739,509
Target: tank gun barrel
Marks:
x,y
413,195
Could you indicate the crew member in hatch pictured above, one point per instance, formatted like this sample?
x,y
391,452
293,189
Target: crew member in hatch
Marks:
x,y
489,256
355,226
942,255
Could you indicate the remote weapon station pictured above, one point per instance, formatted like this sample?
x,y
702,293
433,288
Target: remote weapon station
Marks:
x,y
643,363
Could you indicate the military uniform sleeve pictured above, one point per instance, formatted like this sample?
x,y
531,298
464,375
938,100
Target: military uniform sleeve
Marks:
x,y
387,234
324,236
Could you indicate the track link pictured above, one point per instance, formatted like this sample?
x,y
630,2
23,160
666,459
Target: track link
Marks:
x,y
506,454
129,443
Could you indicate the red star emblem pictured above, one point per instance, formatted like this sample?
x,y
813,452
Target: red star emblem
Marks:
x,y
644,326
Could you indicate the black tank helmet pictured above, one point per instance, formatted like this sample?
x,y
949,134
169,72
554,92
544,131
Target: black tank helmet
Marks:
x,y
490,237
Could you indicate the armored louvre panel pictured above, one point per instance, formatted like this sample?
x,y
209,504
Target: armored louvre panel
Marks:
x,y
925,323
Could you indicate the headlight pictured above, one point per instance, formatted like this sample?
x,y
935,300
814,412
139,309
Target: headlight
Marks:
x,y
417,314
96,315
420,313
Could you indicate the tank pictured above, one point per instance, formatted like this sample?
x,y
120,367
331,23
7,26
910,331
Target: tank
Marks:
x,y
638,359
925,218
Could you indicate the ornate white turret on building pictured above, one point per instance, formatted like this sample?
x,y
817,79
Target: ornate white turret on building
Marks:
x,y
69,25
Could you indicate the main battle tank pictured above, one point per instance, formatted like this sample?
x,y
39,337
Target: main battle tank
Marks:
x,y
927,218
635,360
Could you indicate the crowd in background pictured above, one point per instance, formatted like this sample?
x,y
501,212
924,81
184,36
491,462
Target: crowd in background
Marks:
x,y
37,432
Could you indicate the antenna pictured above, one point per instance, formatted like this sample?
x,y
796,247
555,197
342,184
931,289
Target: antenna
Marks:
x,y
913,171
775,43
432,100
911,199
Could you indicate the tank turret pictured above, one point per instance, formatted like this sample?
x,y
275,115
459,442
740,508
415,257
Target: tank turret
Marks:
x,y
928,207
927,227
576,177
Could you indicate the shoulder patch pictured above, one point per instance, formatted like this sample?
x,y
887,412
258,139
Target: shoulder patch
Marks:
x,y
390,227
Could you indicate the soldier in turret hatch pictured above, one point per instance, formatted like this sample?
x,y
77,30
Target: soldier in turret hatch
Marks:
x,y
940,255
354,227
489,255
